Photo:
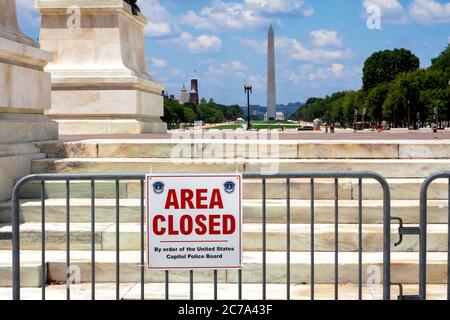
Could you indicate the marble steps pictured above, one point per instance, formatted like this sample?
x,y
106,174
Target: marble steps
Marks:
x,y
324,210
401,189
225,291
404,268
389,168
276,237
217,147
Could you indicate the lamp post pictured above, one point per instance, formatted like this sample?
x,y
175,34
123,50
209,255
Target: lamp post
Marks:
x,y
248,89
409,113
436,119
363,116
418,124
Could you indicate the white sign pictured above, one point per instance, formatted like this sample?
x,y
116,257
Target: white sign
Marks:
x,y
194,221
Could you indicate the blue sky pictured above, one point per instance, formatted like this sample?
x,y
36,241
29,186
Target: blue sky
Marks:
x,y
321,45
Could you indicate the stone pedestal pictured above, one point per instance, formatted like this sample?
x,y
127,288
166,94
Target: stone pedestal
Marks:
x,y
24,96
100,82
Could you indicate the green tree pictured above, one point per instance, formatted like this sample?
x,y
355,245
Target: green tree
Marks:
x,y
189,115
442,62
353,100
383,66
374,101
394,90
231,113
173,112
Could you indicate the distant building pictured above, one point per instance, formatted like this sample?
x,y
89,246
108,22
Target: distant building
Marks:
x,y
184,95
194,96
168,97
279,116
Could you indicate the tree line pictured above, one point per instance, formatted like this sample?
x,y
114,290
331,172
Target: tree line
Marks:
x,y
394,89
207,111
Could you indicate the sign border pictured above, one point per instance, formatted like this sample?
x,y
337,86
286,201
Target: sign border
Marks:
x,y
147,213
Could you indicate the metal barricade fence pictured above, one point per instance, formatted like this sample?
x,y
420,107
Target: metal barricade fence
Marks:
x,y
117,178
422,232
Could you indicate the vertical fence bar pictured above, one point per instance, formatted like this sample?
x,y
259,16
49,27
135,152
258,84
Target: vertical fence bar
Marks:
x,y
336,239
43,263
312,276
142,221
191,284
288,239
264,219
16,243
117,241
68,274
448,243
167,284
360,240
423,242
215,284
240,284
386,238
93,239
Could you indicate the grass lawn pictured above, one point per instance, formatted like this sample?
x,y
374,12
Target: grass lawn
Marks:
x,y
226,127
259,125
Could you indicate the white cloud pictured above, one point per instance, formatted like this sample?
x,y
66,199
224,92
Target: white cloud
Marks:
x,y
234,68
425,12
228,15
258,82
172,78
308,73
249,14
258,46
326,38
230,77
158,63
392,11
430,11
295,50
160,21
278,7
197,45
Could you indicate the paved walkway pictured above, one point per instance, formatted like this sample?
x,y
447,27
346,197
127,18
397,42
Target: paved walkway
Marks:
x,y
443,135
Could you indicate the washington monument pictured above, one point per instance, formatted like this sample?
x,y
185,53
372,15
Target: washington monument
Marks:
x,y
271,81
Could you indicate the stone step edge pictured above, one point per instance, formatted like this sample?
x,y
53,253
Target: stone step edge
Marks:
x,y
239,160
250,257
289,149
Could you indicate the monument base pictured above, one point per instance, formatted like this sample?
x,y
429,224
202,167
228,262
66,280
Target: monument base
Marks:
x,y
111,126
19,134
27,128
100,82
24,96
